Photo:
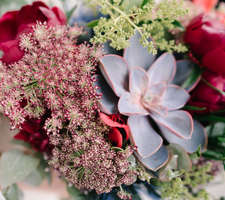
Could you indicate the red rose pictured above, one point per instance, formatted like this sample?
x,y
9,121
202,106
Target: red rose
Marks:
x,y
33,133
206,38
12,24
118,128
205,97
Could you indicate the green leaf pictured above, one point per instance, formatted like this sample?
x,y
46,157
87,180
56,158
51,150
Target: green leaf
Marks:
x,y
12,193
70,12
194,108
21,143
93,23
214,155
195,74
74,193
35,178
183,161
144,3
210,118
197,154
177,24
15,166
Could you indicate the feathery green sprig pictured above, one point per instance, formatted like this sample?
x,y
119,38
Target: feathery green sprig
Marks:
x,y
123,18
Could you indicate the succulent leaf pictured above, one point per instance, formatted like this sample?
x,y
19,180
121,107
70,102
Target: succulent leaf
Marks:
x,y
129,104
177,122
184,70
143,136
199,138
163,69
174,97
108,100
137,55
138,81
157,160
115,71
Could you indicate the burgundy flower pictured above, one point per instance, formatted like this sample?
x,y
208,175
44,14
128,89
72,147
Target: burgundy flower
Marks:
x,y
206,97
14,23
33,133
206,38
118,128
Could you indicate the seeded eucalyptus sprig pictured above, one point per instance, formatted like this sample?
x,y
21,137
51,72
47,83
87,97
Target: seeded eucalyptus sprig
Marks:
x,y
151,20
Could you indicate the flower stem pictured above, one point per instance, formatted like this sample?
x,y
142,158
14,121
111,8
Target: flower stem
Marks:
x,y
213,87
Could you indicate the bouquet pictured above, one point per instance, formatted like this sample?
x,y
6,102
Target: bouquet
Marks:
x,y
125,99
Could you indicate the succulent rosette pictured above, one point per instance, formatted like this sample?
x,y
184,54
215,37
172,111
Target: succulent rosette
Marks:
x,y
144,93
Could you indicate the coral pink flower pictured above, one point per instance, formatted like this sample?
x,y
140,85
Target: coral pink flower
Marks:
x,y
14,23
206,5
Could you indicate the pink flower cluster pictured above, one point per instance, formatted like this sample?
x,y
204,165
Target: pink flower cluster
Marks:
x,y
55,74
87,161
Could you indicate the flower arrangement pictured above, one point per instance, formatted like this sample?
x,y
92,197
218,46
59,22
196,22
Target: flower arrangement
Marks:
x,y
135,105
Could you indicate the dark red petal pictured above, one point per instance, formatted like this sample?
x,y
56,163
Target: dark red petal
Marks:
x,y
214,60
39,3
60,15
8,26
116,137
30,14
11,50
50,15
22,136
127,131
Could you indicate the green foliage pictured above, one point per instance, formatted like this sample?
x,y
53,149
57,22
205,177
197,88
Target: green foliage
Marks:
x,y
182,187
74,193
40,173
193,77
150,20
15,166
216,144
12,193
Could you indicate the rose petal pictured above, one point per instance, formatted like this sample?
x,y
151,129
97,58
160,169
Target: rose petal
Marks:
x,y
50,15
60,15
163,69
115,70
174,97
130,105
178,122
8,26
138,81
11,50
143,136
25,17
137,55
199,138
108,121
157,160
214,60
116,137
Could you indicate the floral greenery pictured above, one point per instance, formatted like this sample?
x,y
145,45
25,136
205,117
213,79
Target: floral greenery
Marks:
x,y
216,136
151,20
182,186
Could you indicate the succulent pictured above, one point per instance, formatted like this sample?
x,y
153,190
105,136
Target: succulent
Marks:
x,y
144,93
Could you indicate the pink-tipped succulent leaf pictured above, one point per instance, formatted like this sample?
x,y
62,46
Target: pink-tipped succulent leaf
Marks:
x,y
149,91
